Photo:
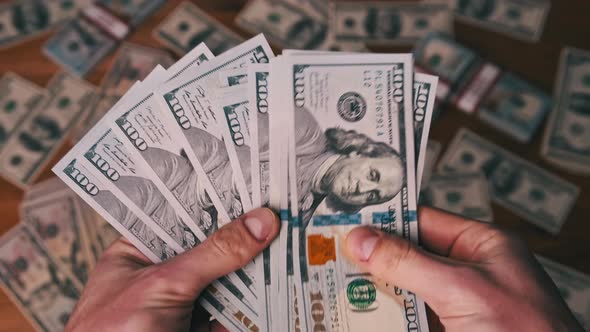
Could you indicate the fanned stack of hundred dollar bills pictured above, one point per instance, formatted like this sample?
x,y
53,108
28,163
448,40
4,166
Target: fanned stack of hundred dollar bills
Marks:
x,y
329,140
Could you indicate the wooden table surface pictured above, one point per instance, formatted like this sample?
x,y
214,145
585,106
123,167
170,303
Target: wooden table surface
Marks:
x,y
568,24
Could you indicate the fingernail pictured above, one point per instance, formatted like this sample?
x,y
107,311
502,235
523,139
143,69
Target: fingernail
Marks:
x,y
259,223
362,242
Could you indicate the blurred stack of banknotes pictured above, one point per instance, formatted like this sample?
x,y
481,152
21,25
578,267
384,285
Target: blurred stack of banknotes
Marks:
x,y
518,109
86,31
45,260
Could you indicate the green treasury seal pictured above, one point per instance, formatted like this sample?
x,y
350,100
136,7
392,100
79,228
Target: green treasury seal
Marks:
x,y
361,293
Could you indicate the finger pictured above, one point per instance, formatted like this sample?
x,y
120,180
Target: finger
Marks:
x,y
227,250
439,230
396,261
123,251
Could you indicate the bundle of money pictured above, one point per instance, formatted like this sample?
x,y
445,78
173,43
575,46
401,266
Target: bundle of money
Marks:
x,y
389,23
339,144
470,83
187,26
466,195
45,260
300,24
567,137
88,38
520,19
527,190
23,20
36,122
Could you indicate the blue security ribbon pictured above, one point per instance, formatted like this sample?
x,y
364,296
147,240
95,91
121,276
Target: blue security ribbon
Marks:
x,y
284,215
337,219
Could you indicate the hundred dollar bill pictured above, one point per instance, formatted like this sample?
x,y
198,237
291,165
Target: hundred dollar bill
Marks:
x,y
454,64
287,291
521,19
515,107
287,25
388,22
424,92
21,20
187,104
149,143
234,112
573,286
567,137
132,63
59,224
95,193
18,99
463,194
337,185
33,144
78,46
187,26
34,281
433,149
527,190
258,93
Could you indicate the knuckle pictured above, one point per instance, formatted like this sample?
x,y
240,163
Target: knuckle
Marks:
x,y
466,274
231,243
501,237
113,251
393,254
158,281
466,281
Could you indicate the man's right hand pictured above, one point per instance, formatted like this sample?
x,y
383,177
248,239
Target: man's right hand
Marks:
x,y
474,276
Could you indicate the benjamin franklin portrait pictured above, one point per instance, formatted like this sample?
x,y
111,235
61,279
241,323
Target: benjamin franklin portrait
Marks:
x,y
343,168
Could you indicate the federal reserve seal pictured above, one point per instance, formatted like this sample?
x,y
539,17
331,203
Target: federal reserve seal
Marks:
x,y
361,293
352,107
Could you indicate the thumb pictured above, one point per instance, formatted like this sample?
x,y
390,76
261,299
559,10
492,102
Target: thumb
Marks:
x,y
230,248
396,261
